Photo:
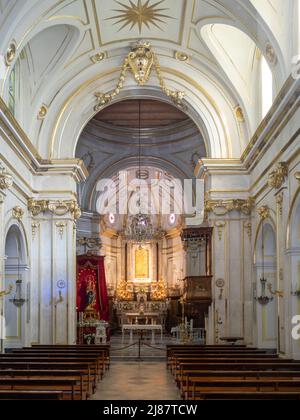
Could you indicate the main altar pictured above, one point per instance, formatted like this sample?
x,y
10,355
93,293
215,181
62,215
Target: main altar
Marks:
x,y
141,304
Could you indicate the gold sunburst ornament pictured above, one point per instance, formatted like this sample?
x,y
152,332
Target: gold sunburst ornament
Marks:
x,y
140,14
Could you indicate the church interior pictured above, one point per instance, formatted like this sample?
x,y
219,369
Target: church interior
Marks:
x,y
149,200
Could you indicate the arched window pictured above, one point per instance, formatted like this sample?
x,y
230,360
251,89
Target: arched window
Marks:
x,y
266,87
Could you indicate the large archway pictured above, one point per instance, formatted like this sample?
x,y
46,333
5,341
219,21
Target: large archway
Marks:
x,y
16,267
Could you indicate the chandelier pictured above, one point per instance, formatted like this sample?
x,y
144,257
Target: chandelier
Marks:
x,y
140,228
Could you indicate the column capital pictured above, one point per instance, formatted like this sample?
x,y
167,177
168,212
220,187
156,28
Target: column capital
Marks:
x,y
56,207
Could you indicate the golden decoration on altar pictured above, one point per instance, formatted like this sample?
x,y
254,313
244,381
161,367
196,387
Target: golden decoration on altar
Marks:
x,y
140,61
6,180
160,293
122,293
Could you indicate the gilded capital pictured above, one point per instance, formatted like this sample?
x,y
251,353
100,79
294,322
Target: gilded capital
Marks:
x,y
223,207
264,212
6,180
297,176
57,208
278,176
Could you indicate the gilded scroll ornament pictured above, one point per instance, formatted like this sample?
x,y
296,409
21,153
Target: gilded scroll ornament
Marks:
x,y
140,61
18,213
6,180
264,212
278,176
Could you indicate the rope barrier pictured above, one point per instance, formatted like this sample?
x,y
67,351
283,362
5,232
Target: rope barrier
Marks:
x,y
152,347
127,347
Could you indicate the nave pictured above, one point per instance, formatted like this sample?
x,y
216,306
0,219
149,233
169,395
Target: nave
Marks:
x,y
199,373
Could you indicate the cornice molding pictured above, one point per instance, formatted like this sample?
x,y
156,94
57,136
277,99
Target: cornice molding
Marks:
x,y
18,141
282,110
57,208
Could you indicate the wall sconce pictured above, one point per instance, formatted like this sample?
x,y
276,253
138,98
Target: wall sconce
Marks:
x,y
6,292
277,293
263,299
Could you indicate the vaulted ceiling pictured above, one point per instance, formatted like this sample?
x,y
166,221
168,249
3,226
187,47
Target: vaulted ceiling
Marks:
x,y
64,51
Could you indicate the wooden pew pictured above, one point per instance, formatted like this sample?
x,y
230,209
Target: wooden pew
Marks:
x,y
185,382
85,387
248,385
31,395
87,368
250,396
68,386
94,365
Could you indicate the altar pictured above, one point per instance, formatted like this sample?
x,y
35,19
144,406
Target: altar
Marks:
x,y
142,328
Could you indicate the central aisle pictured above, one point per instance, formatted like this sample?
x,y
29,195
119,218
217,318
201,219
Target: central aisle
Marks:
x,y
128,380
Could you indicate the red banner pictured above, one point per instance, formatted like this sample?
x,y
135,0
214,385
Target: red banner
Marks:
x,y
91,287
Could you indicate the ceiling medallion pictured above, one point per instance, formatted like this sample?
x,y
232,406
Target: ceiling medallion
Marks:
x,y
181,56
10,54
97,58
140,14
42,112
140,61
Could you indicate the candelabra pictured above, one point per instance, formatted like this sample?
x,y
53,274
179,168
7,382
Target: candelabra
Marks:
x,y
263,299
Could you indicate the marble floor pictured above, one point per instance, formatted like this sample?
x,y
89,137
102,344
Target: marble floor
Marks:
x,y
141,381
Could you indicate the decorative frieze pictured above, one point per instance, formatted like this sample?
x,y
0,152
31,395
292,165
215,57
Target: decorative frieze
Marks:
x,y
264,212
223,207
278,176
57,208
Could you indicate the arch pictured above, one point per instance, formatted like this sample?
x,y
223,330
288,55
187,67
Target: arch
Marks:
x,y
202,109
266,273
16,264
269,221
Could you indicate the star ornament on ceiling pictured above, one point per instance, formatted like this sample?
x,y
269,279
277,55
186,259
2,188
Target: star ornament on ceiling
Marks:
x,y
140,14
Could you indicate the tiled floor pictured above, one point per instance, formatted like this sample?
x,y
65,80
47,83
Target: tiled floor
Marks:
x,y
129,380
